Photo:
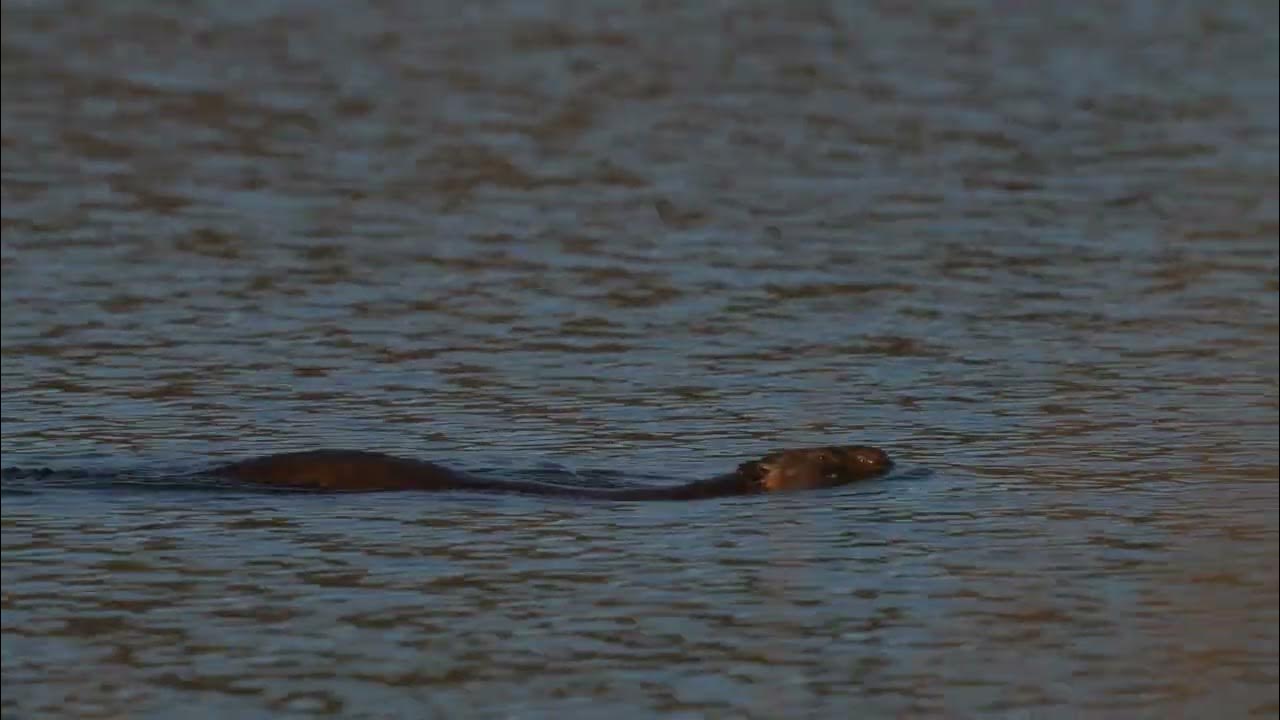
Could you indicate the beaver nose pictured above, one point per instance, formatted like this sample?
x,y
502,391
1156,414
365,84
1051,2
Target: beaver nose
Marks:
x,y
874,457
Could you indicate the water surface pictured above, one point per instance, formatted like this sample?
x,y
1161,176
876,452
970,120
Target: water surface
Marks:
x,y
1031,251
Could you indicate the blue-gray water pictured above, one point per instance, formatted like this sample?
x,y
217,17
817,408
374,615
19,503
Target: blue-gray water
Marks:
x,y
1030,249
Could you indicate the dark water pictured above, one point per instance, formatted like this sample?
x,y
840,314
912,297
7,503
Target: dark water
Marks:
x,y
1030,249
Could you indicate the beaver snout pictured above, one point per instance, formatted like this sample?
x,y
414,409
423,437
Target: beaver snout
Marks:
x,y
872,458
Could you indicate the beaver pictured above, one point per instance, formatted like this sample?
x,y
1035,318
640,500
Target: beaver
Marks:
x,y
358,470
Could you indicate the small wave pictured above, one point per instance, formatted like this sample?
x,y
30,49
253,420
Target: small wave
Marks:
x,y
31,481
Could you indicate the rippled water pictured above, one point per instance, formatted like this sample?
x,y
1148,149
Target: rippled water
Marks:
x,y
1031,250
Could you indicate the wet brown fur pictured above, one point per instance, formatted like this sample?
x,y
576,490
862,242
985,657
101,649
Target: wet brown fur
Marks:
x,y
357,470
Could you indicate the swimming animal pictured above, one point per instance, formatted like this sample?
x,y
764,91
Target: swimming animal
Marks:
x,y
358,470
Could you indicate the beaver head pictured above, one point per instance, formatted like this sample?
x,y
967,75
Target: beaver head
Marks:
x,y
810,468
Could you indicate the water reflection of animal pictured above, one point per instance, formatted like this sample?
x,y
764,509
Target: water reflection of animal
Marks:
x,y
355,470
